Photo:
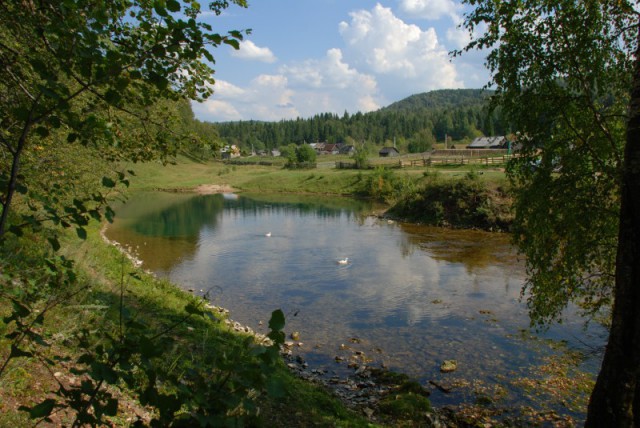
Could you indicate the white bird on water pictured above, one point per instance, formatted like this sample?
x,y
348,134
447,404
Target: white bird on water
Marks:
x,y
343,261
268,234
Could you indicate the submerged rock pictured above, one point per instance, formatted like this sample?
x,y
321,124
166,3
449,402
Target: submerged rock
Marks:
x,y
448,366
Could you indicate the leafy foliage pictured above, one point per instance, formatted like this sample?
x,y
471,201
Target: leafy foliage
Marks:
x,y
385,185
303,156
77,73
562,72
467,202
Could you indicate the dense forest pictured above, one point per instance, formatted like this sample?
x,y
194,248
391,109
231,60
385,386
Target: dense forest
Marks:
x,y
415,122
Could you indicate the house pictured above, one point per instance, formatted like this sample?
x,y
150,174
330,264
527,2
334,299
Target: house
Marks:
x,y
318,147
275,152
347,150
386,152
488,143
229,152
331,149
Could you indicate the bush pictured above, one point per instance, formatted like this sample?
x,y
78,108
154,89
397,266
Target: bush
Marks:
x,y
384,185
464,203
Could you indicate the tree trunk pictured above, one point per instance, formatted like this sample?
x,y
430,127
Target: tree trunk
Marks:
x,y
614,401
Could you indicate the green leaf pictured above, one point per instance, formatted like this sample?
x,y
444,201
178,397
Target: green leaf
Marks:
x,y
41,410
108,182
193,309
233,43
158,6
42,131
173,5
15,230
17,352
276,336
111,408
54,243
112,96
159,81
55,121
19,309
146,347
82,233
86,359
275,387
277,321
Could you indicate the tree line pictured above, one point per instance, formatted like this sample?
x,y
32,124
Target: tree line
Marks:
x,y
413,123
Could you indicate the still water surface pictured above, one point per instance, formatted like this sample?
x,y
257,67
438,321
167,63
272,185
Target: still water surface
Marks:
x,y
412,296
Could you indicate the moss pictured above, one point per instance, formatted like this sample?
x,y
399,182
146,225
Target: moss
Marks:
x,y
406,406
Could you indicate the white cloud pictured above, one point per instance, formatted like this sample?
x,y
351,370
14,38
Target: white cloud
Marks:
x,y
382,59
298,89
212,108
250,51
227,90
266,97
430,9
408,59
330,72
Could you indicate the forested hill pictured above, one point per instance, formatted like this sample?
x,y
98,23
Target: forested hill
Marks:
x,y
443,98
415,123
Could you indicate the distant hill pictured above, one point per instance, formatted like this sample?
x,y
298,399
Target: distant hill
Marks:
x,y
441,99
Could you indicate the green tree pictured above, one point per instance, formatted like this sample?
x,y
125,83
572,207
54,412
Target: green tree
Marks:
x,y
305,154
361,155
567,77
421,142
289,152
74,70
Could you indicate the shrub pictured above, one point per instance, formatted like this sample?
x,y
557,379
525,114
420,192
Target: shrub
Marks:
x,y
464,203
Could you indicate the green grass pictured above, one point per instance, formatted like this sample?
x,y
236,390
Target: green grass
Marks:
x,y
188,174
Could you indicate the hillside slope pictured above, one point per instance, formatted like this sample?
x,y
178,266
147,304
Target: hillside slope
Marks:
x,y
441,99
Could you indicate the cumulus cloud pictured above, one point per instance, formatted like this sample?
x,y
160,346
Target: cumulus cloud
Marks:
x,y
218,109
382,59
430,9
330,84
298,89
266,97
404,56
250,51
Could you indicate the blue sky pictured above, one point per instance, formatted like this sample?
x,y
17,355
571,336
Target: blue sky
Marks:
x,y
314,56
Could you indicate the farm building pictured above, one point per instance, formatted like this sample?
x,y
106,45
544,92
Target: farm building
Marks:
x,y
386,152
488,143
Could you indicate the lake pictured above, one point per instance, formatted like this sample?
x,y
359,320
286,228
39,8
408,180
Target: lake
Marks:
x,y
409,297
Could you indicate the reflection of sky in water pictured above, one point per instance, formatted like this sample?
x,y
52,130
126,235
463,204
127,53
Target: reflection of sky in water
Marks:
x,y
414,295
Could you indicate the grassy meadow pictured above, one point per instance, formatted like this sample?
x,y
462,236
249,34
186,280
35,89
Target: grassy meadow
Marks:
x,y
187,173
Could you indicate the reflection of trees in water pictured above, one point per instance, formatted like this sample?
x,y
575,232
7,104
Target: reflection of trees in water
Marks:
x,y
321,207
474,249
165,235
183,219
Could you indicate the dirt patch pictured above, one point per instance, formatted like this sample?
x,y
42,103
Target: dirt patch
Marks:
x,y
209,189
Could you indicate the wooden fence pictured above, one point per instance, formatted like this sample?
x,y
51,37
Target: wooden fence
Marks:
x,y
496,160
431,161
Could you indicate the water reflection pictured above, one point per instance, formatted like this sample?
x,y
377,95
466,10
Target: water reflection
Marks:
x,y
412,295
